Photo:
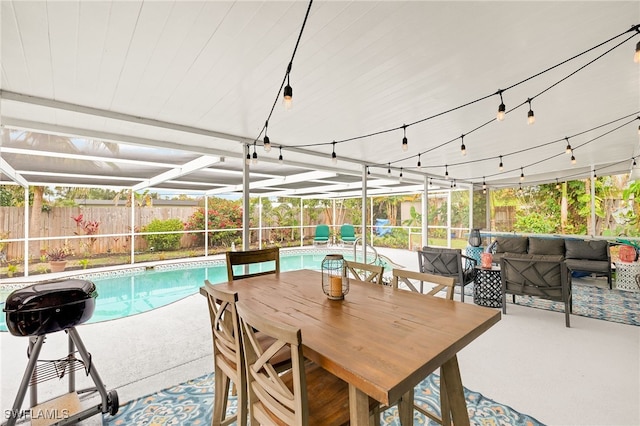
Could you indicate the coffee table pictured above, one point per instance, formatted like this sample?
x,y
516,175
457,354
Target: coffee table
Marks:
x,y
487,289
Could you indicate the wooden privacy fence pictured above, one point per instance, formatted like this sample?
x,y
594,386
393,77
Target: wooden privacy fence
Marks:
x,y
59,222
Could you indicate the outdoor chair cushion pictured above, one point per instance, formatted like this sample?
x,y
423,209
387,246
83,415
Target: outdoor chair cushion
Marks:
x,y
588,250
511,245
546,246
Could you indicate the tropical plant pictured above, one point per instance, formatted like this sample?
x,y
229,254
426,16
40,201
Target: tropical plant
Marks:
x,y
56,254
222,214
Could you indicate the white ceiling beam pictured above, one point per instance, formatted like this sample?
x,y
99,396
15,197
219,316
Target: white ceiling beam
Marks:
x,y
185,169
301,177
12,174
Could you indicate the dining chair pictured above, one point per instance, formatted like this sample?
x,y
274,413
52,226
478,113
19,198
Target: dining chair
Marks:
x,y
228,355
364,271
305,395
403,276
448,263
251,257
322,234
347,233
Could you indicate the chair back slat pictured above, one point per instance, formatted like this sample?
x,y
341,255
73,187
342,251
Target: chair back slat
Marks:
x,y
252,257
440,283
364,271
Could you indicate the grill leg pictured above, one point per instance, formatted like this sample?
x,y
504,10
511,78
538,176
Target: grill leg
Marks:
x,y
86,357
22,390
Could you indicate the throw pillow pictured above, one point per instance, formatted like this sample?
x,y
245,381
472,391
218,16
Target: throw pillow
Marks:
x,y
546,245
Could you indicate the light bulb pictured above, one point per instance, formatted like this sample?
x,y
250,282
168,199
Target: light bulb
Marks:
x,y
405,144
530,117
254,159
247,161
573,159
334,158
636,57
280,158
463,149
500,166
287,99
501,112
267,143
568,149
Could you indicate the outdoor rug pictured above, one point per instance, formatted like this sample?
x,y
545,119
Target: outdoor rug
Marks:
x,y
589,301
191,403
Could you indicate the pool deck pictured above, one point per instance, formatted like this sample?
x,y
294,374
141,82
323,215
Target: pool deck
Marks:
x,y
588,374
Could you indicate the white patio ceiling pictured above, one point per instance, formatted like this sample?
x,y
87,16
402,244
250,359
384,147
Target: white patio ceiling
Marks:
x,y
163,84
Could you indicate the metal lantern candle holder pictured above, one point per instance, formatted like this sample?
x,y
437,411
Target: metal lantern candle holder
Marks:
x,y
474,238
335,282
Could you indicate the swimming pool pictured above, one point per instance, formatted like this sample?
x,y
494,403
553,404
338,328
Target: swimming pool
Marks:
x,y
132,291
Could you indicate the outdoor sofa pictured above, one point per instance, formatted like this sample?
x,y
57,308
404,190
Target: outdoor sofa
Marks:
x,y
580,255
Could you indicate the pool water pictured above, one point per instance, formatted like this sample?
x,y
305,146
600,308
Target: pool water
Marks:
x,y
125,295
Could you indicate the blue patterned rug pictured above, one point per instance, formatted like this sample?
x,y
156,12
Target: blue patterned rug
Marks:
x,y
191,403
589,301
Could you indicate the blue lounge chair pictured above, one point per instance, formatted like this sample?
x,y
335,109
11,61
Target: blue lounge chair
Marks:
x,y
322,234
347,234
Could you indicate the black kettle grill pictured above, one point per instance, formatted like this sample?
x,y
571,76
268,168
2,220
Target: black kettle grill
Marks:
x,y
47,307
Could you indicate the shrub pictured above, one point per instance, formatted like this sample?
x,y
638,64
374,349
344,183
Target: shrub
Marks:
x,y
224,214
163,241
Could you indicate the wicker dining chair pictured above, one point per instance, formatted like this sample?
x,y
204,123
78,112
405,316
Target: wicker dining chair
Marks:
x,y
364,271
251,257
305,395
403,276
228,358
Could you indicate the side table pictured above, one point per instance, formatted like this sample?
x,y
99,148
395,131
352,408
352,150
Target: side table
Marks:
x,y
487,290
474,253
626,275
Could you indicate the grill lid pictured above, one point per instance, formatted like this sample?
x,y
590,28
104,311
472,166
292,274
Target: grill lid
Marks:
x,y
48,294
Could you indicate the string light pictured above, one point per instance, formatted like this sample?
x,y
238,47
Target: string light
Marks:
x,y
405,142
280,159
431,181
446,172
287,98
521,174
636,57
247,161
520,189
568,149
334,157
419,163
634,161
530,117
267,142
454,183
484,183
368,171
254,158
463,148
400,179
594,174
573,158
501,166
557,184
484,191
389,169
501,108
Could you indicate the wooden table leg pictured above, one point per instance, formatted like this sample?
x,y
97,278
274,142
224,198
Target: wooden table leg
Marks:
x,y
405,409
358,407
455,392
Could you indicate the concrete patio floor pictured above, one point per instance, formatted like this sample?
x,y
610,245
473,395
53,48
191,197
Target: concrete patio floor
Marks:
x,y
588,374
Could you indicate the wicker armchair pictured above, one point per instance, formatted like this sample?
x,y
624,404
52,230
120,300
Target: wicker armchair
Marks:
x,y
448,263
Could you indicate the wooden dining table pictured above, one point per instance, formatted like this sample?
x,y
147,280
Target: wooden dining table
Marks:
x,y
379,340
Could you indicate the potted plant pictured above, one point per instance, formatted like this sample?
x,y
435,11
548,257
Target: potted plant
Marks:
x,y
57,259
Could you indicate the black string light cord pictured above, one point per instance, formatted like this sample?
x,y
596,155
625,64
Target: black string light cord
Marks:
x,y
521,104
634,29
286,75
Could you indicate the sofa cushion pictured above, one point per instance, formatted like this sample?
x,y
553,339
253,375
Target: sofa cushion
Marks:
x,y
529,256
511,244
586,249
546,246
601,266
